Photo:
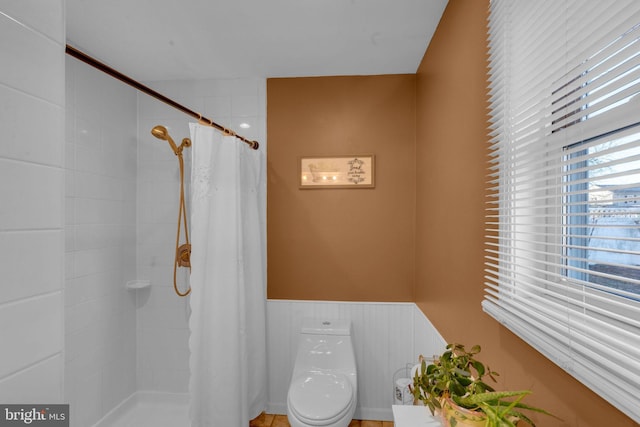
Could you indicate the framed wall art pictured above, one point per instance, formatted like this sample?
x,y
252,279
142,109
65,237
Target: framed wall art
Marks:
x,y
353,171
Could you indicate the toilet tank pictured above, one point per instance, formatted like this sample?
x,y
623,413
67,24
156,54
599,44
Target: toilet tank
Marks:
x,y
326,327
325,344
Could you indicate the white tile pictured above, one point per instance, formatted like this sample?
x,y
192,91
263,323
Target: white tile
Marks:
x,y
69,176
152,192
118,380
47,18
88,133
165,347
69,238
150,317
95,211
161,276
160,257
89,362
151,108
218,87
31,62
39,383
158,213
217,107
262,94
144,373
22,140
96,95
97,260
244,106
100,313
164,297
172,380
169,88
165,171
253,132
245,87
70,73
31,195
32,331
95,236
98,186
83,316
77,342
90,159
20,252
88,400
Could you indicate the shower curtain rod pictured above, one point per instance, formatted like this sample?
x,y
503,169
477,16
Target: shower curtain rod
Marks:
x,y
72,51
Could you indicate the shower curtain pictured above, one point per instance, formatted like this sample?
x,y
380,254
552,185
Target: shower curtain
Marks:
x,y
228,297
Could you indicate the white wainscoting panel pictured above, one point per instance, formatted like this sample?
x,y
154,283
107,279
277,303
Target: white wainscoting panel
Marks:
x,y
427,341
386,337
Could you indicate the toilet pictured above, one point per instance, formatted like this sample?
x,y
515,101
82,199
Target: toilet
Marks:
x,y
324,387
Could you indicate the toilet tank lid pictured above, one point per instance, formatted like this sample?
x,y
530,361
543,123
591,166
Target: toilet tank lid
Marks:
x,y
326,326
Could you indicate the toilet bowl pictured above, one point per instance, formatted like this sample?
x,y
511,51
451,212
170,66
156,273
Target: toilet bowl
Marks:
x,y
324,387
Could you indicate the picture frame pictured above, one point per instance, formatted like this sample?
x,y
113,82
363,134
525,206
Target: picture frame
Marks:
x,y
345,171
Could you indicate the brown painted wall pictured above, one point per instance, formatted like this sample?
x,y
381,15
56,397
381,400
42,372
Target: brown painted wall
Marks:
x,y
451,160
418,236
341,244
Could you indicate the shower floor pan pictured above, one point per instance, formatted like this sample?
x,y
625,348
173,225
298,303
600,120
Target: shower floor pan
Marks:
x,y
149,409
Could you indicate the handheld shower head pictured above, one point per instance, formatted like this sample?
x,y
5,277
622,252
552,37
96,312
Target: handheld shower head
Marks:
x,y
161,132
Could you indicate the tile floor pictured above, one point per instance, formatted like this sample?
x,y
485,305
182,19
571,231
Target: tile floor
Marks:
x,y
270,420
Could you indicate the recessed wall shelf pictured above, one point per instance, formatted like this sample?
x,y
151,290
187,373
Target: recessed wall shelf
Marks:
x,y
138,284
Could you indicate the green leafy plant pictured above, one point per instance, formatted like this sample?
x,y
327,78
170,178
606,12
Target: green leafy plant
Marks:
x,y
457,379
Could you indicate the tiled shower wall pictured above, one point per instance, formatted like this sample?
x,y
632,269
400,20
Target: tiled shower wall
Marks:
x,y
31,201
163,352
121,211
100,243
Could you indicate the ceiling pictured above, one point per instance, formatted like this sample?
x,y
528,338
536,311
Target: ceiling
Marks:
x,y
151,40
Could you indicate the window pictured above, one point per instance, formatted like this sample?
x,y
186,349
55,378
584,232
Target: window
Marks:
x,y
602,213
563,245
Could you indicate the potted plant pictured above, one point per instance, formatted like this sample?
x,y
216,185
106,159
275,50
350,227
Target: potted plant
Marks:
x,y
453,385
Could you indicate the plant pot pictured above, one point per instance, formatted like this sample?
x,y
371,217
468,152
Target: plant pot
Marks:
x,y
457,416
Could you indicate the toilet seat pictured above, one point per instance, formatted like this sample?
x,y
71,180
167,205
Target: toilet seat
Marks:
x,y
320,398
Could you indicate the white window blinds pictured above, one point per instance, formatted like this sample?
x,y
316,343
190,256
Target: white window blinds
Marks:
x,y
563,217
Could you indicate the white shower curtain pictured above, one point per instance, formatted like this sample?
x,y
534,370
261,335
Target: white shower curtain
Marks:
x,y
228,297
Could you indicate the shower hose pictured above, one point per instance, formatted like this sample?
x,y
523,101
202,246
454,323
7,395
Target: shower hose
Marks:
x,y
183,252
